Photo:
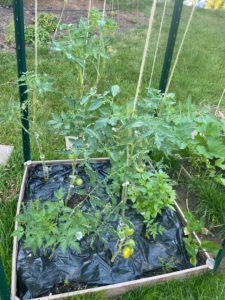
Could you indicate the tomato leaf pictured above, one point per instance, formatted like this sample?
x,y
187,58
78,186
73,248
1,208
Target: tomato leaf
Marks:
x,y
95,105
115,90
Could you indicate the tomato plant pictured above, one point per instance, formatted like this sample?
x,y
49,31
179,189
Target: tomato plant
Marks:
x,y
86,44
137,139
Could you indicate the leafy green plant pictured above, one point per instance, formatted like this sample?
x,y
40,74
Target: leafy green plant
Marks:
x,y
86,43
47,24
151,193
167,266
191,244
47,21
51,224
184,127
59,225
100,127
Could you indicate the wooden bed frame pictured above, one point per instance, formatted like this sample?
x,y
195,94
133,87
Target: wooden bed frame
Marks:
x,y
109,290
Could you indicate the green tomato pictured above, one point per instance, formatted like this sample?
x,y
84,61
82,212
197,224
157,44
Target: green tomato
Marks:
x,y
141,170
130,243
78,181
129,231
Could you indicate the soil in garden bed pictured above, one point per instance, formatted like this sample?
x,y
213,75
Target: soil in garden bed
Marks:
x,y
69,287
39,275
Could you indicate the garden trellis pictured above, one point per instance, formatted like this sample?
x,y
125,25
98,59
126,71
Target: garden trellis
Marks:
x,y
18,11
21,59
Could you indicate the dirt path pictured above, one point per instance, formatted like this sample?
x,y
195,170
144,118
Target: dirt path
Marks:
x,y
58,4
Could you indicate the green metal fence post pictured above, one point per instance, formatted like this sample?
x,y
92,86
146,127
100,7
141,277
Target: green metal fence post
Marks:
x,y
170,44
4,292
21,66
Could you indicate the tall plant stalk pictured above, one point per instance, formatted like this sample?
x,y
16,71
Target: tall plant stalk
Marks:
x,y
72,178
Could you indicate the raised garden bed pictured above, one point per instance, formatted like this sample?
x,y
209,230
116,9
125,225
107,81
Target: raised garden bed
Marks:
x,y
155,276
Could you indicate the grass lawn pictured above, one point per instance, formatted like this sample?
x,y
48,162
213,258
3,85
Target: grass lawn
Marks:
x,y
199,74
206,287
